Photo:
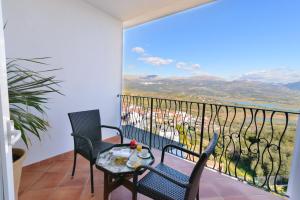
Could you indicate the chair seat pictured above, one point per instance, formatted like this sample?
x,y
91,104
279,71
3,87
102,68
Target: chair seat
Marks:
x,y
160,188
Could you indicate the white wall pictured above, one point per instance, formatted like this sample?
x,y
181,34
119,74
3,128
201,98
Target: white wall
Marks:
x,y
86,43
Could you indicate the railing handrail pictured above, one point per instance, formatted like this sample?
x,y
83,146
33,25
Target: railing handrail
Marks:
x,y
212,104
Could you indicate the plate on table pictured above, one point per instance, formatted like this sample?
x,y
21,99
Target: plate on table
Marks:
x,y
132,165
144,156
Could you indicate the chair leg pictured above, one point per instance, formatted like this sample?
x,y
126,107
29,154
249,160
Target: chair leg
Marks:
x,y
198,195
134,195
74,163
134,190
92,178
107,180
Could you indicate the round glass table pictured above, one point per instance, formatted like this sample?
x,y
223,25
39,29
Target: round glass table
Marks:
x,y
118,164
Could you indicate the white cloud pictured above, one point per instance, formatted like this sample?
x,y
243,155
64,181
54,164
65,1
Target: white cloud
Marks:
x,y
188,67
157,61
138,50
153,60
277,75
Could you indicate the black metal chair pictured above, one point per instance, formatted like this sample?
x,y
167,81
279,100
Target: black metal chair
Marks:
x,y
87,135
166,183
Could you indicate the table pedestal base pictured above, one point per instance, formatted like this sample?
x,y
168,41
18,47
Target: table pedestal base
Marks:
x,y
111,183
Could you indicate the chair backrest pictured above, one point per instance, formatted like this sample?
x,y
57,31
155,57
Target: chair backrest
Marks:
x,y
194,181
86,123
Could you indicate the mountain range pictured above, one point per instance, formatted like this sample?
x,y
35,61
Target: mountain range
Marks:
x,y
293,86
216,90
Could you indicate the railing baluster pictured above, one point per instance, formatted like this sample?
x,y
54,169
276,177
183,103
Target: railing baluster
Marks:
x,y
202,128
151,123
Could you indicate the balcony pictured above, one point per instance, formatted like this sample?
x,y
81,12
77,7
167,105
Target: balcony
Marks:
x,y
254,156
51,179
157,122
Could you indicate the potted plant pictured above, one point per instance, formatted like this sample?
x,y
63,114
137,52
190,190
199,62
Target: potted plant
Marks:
x,y
28,95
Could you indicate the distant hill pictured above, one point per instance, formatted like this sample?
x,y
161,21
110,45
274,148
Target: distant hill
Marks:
x,y
214,90
293,86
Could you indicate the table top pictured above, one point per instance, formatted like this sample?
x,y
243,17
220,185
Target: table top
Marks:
x,y
109,163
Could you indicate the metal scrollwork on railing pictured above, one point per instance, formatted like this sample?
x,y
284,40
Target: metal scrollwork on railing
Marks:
x,y
255,145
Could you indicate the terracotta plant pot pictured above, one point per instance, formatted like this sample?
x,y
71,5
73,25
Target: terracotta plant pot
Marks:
x,y
18,159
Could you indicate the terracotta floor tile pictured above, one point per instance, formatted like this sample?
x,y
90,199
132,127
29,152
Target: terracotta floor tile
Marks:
x,y
65,156
38,167
226,191
115,140
36,194
61,166
82,164
208,190
67,193
79,180
28,179
121,193
246,189
98,181
236,198
48,180
68,155
86,194
51,180
212,198
264,197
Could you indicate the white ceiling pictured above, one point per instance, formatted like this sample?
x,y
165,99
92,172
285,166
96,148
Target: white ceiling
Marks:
x,y
134,12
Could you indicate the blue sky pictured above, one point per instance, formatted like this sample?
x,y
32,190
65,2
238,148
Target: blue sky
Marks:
x,y
233,39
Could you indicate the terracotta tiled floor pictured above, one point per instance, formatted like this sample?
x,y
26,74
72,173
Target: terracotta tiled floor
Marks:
x,y
51,180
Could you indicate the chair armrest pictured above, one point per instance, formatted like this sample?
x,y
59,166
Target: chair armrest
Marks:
x,y
160,173
86,140
176,147
115,128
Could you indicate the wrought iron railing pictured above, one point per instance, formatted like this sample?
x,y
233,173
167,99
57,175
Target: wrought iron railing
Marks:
x,y
255,145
